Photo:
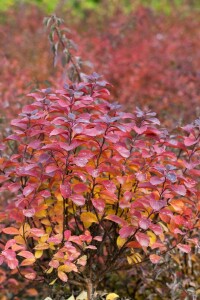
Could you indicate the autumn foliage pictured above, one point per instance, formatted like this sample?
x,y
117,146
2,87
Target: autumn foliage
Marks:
x,y
156,57
95,189
88,189
159,68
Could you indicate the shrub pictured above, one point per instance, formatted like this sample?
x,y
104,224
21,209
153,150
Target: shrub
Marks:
x,y
93,189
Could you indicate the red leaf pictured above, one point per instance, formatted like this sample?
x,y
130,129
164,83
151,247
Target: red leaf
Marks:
x,y
31,276
144,223
116,219
94,131
157,204
34,144
14,187
65,190
54,263
157,229
124,152
184,248
13,263
109,185
80,188
28,190
191,140
179,189
154,258
78,199
9,244
99,204
9,254
50,169
45,193
156,180
37,232
80,161
142,239
72,146
126,231
140,130
67,234
55,239
29,212
57,131
133,244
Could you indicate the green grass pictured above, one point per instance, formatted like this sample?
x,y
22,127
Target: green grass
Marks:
x,y
79,6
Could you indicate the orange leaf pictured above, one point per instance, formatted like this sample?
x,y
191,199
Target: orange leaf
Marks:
x,y
88,218
28,261
62,276
31,292
26,254
11,230
42,246
154,258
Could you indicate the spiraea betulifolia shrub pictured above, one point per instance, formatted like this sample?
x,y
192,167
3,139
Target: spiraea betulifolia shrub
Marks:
x,y
91,189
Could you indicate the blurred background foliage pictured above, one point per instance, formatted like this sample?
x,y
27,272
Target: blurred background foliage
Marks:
x,y
80,6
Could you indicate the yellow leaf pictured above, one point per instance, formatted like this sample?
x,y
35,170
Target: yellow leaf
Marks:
x,y
41,214
59,197
112,296
198,292
66,268
120,242
82,296
152,237
49,201
162,237
45,222
88,218
163,226
48,230
194,257
109,199
49,270
44,238
71,210
71,298
110,211
138,257
176,259
57,209
129,260
19,240
52,246
24,229
38,253
82,260
135,258
53,281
